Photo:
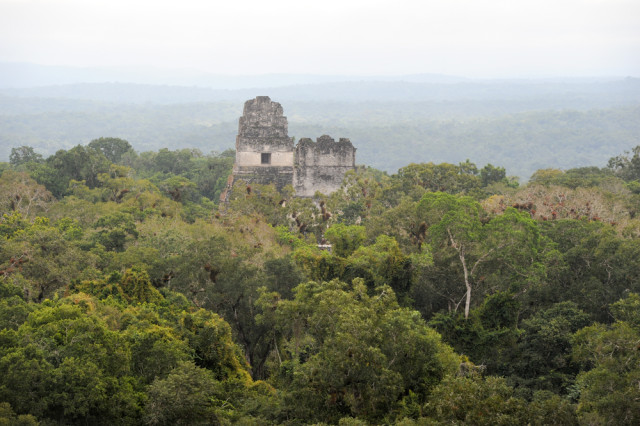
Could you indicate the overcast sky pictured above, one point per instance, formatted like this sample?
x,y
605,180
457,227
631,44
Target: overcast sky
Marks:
x,y
472,38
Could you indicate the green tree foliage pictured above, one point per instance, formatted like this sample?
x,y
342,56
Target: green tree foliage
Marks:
x,y
627,165
488,336
543,360
63,364
472,399
112,148
19,193
79,163
362,195
318,264
41,258
187,396
443,177
546,176
24,155
262,200
132,287
9,418
116,184
585,177
609,392
186,175
345,239
79,360
511,239
210,338
137,287
113,231
598,266
381,263
132,299
207,174
455,222
343,353
220,266
178,188
491,174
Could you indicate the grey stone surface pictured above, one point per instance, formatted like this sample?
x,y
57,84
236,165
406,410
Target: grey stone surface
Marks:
x,y
321,165
265,153
263,129
263,125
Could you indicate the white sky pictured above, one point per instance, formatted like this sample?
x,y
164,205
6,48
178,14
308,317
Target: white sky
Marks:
x,y
473,38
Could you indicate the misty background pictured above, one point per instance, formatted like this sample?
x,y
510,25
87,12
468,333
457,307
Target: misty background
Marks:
x,y
523,85
522,125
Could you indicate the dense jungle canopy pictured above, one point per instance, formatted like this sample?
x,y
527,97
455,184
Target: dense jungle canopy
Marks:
x,y
452,294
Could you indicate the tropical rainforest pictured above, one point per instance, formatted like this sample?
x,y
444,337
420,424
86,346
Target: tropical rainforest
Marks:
x,y
439,294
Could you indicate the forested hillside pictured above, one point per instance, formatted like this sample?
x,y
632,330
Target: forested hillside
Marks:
x,y
451,293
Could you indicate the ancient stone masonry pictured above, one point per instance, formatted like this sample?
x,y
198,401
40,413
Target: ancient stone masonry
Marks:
x,y
265,153
320,166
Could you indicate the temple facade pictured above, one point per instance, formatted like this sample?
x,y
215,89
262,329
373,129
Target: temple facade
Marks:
x,y
265,154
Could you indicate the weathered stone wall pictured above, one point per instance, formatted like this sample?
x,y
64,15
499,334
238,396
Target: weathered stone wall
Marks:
x,y
321,166
264,150
265,153
254,159
263,125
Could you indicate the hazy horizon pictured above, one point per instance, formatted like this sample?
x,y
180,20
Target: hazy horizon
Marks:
x,y
489,39
25,75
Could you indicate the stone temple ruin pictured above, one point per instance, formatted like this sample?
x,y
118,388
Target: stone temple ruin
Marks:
x,y
265,154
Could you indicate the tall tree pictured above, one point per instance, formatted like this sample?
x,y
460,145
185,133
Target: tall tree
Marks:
x,y
459,223
19,193
23,155
112,148
627,165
